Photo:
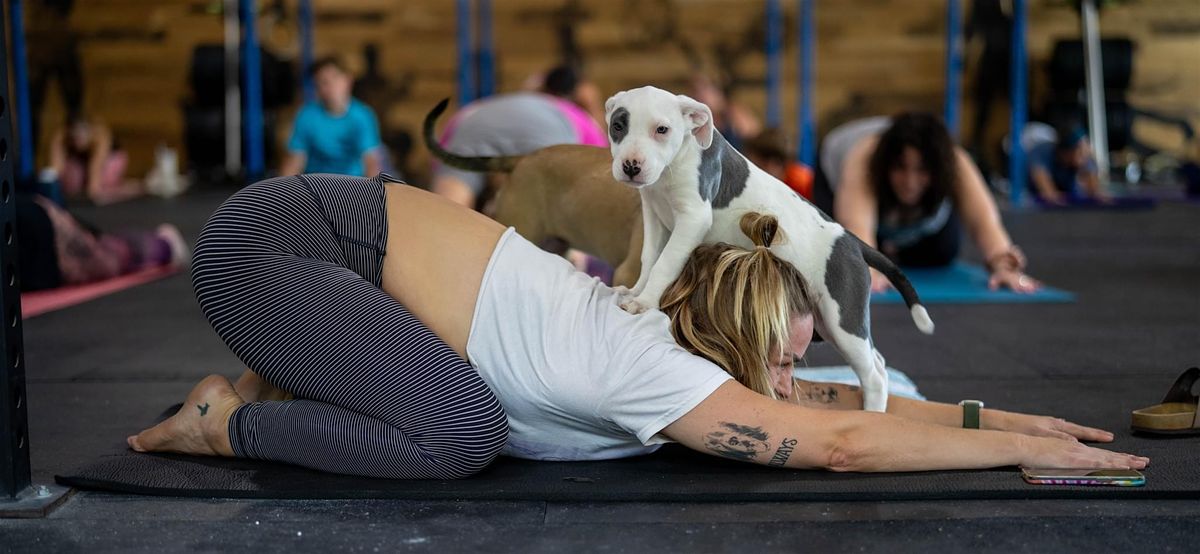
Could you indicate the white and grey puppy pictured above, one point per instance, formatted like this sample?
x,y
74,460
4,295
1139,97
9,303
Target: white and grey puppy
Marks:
x,y
695,187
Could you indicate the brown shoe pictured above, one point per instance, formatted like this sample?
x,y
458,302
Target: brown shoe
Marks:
x,y
1176,414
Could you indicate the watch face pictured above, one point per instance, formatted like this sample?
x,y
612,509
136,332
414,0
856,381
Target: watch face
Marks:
x,y
971,410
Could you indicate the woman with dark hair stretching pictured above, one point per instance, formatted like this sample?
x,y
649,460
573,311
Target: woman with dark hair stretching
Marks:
x,y
904,187
420,339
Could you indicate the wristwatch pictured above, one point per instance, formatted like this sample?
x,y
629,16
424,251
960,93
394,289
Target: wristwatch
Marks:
x,y
971,410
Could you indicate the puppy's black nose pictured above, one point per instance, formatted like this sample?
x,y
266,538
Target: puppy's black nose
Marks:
x,y
631,168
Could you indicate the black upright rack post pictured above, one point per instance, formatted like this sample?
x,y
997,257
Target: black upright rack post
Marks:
x,y
14,444
18,497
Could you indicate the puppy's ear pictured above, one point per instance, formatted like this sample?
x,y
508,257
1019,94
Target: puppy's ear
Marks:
x,y
699,118
611,104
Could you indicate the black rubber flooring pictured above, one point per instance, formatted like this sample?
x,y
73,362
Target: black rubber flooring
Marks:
x,y
100,370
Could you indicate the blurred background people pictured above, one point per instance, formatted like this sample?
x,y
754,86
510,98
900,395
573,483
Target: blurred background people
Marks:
x,y
87,163
59,250
735,121
901,185
769,150
513,124
336,133
1064,171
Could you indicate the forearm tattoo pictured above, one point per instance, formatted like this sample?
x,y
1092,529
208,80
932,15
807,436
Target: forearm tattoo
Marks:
x,y
785,451
823,395
203,409
739,442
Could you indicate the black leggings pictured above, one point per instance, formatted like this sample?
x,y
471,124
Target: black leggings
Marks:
x,y
288,273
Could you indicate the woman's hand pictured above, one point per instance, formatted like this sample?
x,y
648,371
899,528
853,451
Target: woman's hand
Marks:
x,y
1014,279
1054,453
1053,197
1042,426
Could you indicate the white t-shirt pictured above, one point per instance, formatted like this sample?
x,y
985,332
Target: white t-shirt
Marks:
x,y
579,377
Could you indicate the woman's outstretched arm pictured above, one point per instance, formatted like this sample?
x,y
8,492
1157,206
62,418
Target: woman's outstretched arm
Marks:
x,y
982,220
848,397
855,205
734,422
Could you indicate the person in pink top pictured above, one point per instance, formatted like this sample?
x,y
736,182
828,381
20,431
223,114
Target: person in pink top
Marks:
x,y
514,124
88,164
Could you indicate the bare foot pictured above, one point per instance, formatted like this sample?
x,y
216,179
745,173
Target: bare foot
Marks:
x,y
253,388
201,426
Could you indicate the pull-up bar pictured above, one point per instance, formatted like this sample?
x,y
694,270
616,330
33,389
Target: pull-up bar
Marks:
x,y
476,61
806,121
954,66
1016,154
466,69
774,26
233,88
252,107
305,17
1094,87
484,57
25,116
953,92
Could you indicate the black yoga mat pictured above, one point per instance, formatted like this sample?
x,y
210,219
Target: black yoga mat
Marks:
x,y
672,474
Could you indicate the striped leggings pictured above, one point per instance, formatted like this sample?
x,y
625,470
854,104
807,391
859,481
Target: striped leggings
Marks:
x,y
288,271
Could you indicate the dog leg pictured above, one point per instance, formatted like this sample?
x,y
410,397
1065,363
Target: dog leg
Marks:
x,y
855,346
689,232
881,370
859,353
653,242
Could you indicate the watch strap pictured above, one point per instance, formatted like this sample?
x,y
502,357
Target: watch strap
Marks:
x,y
971,409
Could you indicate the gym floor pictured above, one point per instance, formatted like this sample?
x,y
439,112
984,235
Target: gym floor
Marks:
x,y
101,370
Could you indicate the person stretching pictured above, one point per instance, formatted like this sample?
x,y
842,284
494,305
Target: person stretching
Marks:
x,y
420,339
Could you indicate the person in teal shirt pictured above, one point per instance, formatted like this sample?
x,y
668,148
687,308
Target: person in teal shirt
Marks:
x,y
336,133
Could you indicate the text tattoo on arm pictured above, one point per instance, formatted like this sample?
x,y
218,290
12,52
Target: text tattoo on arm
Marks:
x,y
785,451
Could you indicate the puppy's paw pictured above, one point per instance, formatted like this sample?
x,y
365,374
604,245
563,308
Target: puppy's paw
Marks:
x,y
874,402
636,305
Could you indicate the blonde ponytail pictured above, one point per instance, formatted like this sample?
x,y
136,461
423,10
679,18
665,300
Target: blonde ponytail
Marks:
x,y
733,306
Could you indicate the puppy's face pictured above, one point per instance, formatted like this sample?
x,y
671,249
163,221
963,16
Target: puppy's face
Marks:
x,y
646,129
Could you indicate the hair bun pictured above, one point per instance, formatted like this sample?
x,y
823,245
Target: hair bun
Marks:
x,y
761,228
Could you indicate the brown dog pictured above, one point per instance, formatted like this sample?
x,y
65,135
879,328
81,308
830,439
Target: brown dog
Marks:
x,y
562,194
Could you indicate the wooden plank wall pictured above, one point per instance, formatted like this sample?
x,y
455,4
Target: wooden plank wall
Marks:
x,y
873,56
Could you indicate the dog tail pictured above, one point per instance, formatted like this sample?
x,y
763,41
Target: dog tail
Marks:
x,y
877,260
498,164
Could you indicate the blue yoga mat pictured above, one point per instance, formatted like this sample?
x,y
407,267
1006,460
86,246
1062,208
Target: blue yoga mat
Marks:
x,y
963,283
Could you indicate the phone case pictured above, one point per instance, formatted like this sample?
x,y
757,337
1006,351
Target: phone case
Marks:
x,y
1084,481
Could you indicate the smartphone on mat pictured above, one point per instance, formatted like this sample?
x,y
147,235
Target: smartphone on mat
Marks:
x,y
1111,477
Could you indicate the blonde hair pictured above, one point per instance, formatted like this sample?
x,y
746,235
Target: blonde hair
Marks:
x,y
733,306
